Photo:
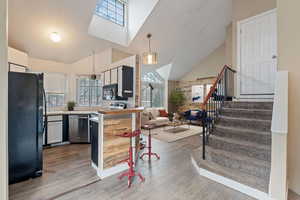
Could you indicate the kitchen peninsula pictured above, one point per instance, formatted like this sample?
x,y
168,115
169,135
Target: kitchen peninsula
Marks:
x,y
108,148
98,127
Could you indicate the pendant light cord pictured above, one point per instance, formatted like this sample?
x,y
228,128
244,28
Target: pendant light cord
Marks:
x,y
94,71
149,45
149,38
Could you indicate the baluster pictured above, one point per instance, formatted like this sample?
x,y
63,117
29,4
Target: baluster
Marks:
x,y
223,92
203,134
219,94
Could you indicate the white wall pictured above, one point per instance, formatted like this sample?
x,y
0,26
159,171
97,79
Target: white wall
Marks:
x,y
138,11
288,59
105,29
118,55
39,65
208,67
3,101
102,61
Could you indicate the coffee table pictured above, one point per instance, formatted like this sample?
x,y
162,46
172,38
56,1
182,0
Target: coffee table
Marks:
x,y
175,124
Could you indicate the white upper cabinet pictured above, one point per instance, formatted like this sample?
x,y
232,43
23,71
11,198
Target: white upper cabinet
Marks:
x,y
55,82
114,76
120,81
16,68
17,57
107,78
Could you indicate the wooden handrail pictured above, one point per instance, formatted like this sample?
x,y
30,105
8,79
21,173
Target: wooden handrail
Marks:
x,y
214,87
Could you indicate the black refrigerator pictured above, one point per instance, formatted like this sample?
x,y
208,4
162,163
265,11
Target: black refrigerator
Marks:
x,y
25,125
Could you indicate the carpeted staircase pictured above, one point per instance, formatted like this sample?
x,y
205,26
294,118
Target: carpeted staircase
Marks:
x,y
240,145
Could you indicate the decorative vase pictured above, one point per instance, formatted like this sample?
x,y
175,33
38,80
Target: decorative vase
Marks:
x,y
171,117
70,108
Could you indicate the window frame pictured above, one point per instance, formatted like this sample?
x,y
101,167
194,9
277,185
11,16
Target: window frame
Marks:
x,y
106,16
48,96
91,88
159,84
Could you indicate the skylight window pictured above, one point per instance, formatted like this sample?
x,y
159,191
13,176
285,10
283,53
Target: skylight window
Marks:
x,y
112,10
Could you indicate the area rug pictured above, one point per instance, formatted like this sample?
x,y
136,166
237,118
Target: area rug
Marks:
x,y
169,134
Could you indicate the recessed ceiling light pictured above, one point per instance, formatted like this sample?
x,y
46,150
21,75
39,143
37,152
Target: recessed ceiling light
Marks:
x,y
55,37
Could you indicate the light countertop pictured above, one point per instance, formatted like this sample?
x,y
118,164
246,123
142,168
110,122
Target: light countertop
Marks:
x,y
107,111
75,112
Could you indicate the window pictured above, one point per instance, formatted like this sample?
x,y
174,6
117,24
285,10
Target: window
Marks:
x,y
113,10
55,99
158,92
88,92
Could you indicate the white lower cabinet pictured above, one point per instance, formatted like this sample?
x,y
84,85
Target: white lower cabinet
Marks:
x,y
55,129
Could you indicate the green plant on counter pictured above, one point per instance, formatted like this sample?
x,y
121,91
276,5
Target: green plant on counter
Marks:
x,y
71,105
177,98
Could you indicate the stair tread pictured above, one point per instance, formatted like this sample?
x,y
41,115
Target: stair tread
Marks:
x,y
236,175
244,158
248,109
245,119
249,102
241,142
249,105
236,129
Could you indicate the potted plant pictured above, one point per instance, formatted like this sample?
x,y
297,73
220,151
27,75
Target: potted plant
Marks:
x,y
71,105
170,116
177,98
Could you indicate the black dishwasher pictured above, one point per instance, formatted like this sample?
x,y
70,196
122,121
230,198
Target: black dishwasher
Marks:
x,y
79,130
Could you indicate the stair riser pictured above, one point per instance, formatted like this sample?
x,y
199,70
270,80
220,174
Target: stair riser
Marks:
x,y
265,115
243,166
261,154
245,136
247,124
249,105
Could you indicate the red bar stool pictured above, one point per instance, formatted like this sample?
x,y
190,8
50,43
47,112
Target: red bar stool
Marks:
x,y
149,153
131,172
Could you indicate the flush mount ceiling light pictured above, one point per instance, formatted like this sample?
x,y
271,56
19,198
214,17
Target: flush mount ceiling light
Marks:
x,y
149,58
55,37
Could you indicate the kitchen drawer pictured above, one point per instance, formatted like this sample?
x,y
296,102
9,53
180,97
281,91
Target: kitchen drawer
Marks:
x,y
55,132
55,118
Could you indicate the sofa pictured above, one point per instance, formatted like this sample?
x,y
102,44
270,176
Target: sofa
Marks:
x,y
151,116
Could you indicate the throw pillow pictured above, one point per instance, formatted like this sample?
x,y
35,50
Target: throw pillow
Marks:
x,y
163,113
194,112
150,115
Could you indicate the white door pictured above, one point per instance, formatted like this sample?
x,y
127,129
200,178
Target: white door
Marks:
x,y
258,56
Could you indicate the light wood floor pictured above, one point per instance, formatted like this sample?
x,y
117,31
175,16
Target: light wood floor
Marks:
x,y
65,168
171,178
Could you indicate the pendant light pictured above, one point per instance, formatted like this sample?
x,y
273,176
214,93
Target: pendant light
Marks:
x,y
94,76
149,58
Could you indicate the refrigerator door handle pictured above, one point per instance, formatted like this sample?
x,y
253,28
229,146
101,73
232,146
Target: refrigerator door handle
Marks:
x,y
45,109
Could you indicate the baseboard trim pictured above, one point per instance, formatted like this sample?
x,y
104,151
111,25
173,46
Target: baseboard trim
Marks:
x,y
112,171
231,183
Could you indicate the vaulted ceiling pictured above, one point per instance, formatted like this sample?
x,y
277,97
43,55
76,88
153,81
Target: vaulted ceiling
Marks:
x,y
184,32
